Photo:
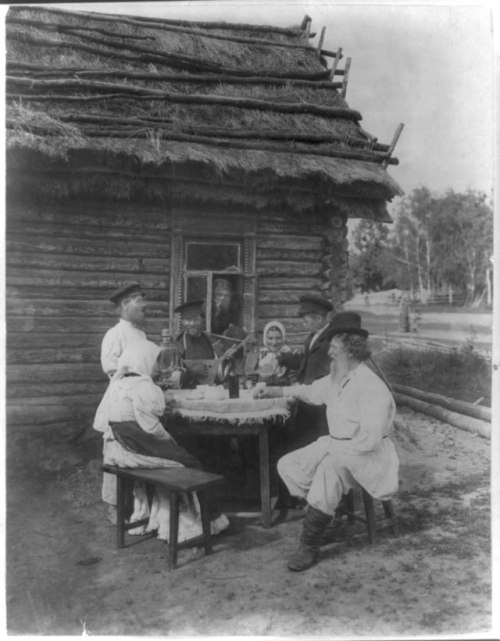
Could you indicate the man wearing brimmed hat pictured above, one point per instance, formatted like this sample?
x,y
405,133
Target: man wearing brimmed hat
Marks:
x,y
313,363
130,304
357,450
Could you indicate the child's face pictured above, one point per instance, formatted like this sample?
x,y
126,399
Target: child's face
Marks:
x,y
274,339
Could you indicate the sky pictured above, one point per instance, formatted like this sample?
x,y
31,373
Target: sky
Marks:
x,y
428,66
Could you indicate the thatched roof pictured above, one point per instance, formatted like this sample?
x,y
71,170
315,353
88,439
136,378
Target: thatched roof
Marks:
x,y
239,115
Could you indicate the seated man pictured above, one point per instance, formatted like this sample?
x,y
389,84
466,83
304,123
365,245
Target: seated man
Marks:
x,y
357,451
193,343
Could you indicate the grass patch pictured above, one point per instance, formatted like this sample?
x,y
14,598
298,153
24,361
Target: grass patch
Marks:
x,y
462,373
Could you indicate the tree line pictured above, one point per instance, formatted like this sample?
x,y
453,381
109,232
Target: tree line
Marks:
x,y
440,247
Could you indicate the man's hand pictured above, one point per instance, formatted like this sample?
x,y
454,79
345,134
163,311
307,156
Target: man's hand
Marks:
x,y
262,391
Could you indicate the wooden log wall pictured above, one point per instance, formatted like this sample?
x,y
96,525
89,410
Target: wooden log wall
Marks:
x,y
335,259
62,262
292,251
64,259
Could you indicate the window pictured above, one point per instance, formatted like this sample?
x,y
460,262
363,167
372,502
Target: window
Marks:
x,y
222,273
213,272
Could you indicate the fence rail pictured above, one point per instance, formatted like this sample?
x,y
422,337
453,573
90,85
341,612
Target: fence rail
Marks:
x,y
413,342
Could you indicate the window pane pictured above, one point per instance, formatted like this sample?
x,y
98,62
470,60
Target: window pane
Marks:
x,y
211,256
196,288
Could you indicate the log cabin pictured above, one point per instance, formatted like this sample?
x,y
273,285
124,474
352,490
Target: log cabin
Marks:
x,y
173,154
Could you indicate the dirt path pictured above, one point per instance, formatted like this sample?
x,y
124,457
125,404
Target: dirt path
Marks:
x,y
65,574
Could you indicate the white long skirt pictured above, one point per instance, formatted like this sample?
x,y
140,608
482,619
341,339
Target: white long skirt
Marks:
x,y
159,516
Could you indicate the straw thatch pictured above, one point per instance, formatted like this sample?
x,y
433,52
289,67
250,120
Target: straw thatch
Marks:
x,y
184,112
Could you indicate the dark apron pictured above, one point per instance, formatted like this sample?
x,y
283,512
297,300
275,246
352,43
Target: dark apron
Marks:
x,y
133,438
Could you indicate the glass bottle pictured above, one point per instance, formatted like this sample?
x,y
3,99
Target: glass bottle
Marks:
x,y
233,383
168,359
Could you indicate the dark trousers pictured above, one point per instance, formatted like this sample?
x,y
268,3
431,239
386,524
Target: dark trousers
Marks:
x,y
309,424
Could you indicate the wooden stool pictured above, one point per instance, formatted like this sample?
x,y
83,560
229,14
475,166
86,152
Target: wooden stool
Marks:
x,y
176,480
372,525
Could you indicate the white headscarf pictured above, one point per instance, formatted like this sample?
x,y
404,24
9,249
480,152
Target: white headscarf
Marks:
x,y
139,358
279,326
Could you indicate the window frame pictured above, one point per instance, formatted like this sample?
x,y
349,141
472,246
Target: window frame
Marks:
x,y
246,272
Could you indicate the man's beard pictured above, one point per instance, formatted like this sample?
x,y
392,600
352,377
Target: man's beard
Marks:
x,y
338,370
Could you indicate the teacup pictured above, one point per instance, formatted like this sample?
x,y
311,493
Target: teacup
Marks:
x,y
260,389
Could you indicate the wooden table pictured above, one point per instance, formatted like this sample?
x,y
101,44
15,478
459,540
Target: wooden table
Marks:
x,y
238,417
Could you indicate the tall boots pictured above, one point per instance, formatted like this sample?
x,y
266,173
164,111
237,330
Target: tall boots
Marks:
x,y
306,555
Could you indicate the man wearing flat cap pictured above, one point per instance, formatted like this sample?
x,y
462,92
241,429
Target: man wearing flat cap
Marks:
x,y
130,304
357,451
311,365
314,362
193,343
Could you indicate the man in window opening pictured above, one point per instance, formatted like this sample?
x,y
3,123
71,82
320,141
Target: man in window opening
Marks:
x,y
193,343
226,308
129,301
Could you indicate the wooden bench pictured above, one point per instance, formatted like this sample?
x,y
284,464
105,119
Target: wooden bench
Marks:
x,y
372,525
176,480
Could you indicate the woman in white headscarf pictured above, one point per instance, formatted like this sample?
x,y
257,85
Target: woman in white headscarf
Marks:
x,y
135,437
268,368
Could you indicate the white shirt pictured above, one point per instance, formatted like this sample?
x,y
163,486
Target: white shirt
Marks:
x,y
115,340
137,398
359,409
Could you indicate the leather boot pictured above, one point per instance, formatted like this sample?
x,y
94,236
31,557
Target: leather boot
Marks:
x,y
335,532
307,554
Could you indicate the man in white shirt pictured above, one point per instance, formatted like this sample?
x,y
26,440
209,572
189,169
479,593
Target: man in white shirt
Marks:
x,y
357,451
130,304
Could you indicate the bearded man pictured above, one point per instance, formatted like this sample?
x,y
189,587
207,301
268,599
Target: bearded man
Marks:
x,y
356,452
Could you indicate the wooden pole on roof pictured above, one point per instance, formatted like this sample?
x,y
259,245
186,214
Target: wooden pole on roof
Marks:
x,y
174,97
41,71
393,144
320,43
306,27
150,22
335,63
346,77
79,31
170,60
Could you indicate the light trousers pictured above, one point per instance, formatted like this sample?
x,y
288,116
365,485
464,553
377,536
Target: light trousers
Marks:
x,y
314,473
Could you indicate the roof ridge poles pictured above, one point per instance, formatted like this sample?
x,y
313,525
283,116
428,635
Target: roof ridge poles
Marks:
x,y
169,60
43,71
336,61
157,22
66,28
320,42
346,77
229,101
365,156
393,144
305,27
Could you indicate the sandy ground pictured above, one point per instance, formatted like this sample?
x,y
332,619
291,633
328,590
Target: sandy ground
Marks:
x,y
66,576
